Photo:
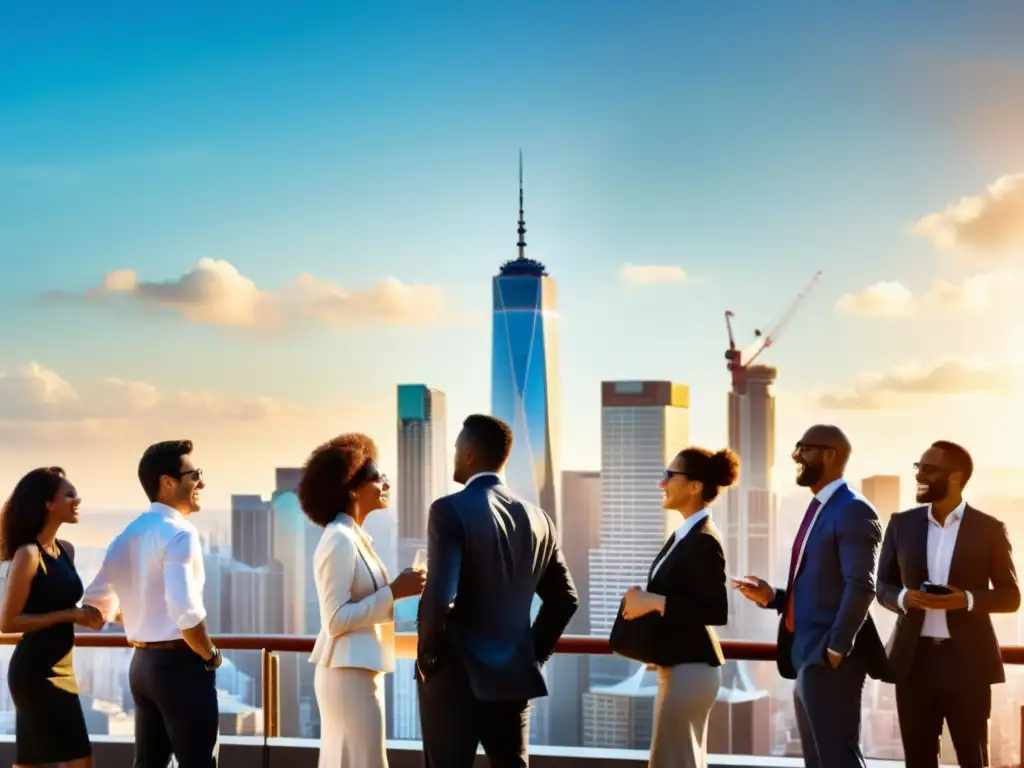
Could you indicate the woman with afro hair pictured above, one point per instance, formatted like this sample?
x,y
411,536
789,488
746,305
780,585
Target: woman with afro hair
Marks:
x,y
340,486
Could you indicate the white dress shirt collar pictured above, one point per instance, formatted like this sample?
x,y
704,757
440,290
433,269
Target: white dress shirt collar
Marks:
x,y
953,517
826,493
486,474
165,511
690,523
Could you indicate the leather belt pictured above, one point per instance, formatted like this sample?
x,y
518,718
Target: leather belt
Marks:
x,y
163,645
934,640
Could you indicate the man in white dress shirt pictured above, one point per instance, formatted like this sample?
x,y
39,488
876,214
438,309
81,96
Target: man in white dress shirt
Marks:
x,y
943,654
152,575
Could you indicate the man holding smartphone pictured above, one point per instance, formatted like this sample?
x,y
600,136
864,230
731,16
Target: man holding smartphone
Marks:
x,y
944,568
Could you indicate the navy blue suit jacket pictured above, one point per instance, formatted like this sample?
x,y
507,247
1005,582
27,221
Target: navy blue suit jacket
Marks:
x,y
488,554
833,589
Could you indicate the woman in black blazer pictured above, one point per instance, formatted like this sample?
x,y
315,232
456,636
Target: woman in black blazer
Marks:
x,y
687,593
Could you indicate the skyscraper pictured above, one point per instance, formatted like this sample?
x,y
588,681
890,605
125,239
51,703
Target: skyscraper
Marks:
x,y
644,424
751,507
525,379
883,491
252,530
422,463
580,533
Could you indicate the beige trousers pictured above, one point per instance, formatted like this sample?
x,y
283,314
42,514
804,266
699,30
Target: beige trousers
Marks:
x,y
351,705
686,693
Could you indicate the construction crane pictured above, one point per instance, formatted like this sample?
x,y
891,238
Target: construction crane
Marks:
x,y
740,360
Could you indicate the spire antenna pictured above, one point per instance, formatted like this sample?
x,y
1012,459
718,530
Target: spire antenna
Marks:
x,y
522,221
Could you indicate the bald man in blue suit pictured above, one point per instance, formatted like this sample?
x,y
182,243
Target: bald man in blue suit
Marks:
x,y
827,641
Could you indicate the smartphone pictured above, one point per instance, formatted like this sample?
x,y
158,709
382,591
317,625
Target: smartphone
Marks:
x,y
935,589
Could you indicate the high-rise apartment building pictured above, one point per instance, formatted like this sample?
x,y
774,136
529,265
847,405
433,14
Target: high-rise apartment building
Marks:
x,y
644,424
422,463
525,383
883,491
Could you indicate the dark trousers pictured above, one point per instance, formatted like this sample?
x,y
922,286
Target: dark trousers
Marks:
x,y
828,705
175,709
454,723
938,691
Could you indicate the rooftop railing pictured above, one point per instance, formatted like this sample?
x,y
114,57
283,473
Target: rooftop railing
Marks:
x,y
270,646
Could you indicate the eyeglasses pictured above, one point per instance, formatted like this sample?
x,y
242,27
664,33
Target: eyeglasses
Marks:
x,y
194,474
801,447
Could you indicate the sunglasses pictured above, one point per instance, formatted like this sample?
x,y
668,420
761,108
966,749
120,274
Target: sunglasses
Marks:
x,y
670,473
193,474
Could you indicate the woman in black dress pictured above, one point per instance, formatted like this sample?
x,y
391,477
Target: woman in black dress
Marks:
x,y
41,602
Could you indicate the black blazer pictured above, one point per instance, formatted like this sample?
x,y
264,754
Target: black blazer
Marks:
x,y
693,582
489,553
982,557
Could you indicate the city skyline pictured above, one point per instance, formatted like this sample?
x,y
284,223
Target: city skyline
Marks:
x,y
199,265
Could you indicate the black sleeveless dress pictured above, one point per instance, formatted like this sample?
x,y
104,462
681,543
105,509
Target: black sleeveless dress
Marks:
x,y
49,723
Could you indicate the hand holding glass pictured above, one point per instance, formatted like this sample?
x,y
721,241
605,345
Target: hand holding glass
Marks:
x,y
419,560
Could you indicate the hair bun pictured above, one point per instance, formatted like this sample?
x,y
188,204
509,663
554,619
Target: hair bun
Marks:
x,y
724,468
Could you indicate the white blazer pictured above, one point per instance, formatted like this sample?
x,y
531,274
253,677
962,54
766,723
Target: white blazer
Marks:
x,y
357,609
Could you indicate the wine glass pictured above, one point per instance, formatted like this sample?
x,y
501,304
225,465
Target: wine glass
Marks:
x,y
419,560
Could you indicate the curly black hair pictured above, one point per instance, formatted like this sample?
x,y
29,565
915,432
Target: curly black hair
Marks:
x,y
24,514
329,475
715,471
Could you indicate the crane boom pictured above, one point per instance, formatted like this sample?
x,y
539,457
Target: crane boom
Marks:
x,y
766,340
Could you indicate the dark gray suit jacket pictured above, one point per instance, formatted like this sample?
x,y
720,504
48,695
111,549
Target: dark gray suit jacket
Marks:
x,y
982,564
488,554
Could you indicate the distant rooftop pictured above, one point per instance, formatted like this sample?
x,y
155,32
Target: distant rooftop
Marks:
x,y
523,267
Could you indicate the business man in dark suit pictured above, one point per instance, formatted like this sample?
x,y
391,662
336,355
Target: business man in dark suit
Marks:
x,y
831,641
478,657
943,652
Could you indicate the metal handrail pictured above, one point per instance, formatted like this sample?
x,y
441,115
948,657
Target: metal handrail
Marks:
x,y
405,647
742,650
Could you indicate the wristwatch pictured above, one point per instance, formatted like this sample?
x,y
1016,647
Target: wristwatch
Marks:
x,y
214,661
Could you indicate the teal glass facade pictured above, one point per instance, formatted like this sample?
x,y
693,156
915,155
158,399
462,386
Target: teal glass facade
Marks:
x,y
524,378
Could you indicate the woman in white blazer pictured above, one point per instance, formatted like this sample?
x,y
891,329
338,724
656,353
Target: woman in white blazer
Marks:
x,y
340,486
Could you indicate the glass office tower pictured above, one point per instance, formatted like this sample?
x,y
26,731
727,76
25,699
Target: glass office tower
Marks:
x,y
525,384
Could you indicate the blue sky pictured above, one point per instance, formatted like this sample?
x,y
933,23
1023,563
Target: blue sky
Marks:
x,y
748,145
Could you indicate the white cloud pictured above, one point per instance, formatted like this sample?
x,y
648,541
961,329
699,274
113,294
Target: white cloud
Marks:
x,y
97,429
876,391
214,292
980,294
34,393
989,224
651,274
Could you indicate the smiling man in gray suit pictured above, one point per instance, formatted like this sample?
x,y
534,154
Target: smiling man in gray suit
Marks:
x,y
479,657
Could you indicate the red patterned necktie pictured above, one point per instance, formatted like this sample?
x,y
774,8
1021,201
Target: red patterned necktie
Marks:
x,y
794,559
